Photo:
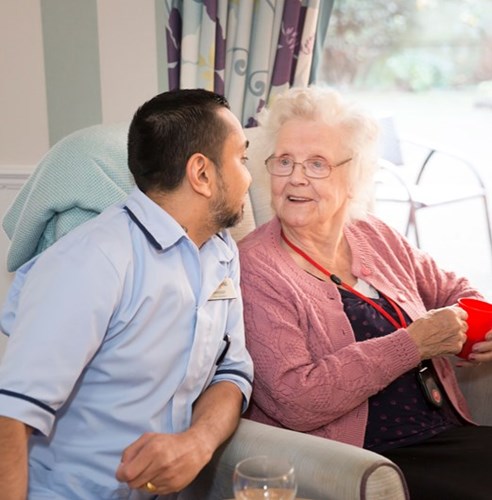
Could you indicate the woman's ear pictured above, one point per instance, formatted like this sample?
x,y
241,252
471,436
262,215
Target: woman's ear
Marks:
x,y
200,172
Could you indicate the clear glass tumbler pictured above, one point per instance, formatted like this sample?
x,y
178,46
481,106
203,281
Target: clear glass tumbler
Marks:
x,y
264,478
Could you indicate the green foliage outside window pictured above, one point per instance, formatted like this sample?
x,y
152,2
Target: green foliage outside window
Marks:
x,y
408,44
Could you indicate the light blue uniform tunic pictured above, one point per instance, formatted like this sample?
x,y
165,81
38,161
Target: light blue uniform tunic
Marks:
x,y
115,330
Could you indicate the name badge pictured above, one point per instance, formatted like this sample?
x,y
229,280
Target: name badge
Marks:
x,y
225,291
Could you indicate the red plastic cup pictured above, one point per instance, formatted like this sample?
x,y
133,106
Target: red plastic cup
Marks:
x,y
479,322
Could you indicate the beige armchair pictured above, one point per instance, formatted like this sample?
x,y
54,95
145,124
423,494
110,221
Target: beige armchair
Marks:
x,y
325,469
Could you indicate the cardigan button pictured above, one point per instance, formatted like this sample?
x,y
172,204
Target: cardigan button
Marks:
x,y
365,271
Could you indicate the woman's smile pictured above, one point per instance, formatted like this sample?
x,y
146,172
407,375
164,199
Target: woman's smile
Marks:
x,y
298,199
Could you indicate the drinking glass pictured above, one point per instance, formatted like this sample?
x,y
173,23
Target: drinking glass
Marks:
x,y
264,478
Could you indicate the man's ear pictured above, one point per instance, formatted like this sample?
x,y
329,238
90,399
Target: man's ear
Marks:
x,y
200,172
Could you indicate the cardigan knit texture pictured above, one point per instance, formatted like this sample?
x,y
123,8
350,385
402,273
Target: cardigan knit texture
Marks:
x,y
310,373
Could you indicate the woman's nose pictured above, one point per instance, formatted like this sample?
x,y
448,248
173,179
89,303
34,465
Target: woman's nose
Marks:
x,y
298,175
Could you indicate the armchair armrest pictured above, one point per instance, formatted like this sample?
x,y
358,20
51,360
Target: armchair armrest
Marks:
x,y
324,468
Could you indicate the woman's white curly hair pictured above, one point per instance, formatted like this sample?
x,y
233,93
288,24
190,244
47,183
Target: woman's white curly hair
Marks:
x,y
359,131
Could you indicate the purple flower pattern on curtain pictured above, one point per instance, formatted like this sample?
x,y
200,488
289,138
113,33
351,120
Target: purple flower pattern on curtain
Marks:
x,y
220,45
245,49
288,44
173,40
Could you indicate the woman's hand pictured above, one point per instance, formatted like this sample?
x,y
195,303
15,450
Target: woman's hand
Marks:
x,y
481,352
440,332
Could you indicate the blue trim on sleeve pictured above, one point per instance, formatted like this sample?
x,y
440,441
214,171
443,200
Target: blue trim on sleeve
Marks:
x,y
28,399
235,372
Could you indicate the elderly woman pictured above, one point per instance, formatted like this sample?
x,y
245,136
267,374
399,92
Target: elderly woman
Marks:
x,y
347,323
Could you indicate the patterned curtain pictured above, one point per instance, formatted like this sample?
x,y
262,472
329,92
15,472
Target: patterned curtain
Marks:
x,y
247,50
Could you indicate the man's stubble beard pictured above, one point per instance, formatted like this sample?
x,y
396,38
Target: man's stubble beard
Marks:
x,y
222,216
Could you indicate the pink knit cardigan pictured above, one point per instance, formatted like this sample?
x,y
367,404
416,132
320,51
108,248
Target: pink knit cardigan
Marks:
x,y
310,373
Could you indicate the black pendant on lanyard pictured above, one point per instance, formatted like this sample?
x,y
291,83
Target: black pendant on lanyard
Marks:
x,y
425,376
429,385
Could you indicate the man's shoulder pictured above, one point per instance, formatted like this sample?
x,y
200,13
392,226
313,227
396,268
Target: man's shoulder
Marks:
x,y
106,233
105,226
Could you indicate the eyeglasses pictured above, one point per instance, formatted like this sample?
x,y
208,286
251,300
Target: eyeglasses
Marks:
x,y
315,168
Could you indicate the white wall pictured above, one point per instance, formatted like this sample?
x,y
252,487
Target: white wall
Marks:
x,y
24,123
43,43
10,183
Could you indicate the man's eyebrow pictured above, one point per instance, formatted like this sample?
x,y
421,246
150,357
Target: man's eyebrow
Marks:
x,y
246,144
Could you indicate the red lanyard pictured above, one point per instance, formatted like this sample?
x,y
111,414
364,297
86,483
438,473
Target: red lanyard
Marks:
x,y
338,281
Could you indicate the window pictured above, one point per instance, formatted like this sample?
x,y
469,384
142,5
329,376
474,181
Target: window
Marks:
x,y
428,63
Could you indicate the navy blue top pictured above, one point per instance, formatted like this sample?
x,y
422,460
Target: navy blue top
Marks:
x,y
400,414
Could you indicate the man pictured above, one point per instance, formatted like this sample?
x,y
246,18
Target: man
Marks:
x,y
126,367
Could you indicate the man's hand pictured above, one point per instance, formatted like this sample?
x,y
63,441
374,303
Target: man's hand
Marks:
x,y
169,461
